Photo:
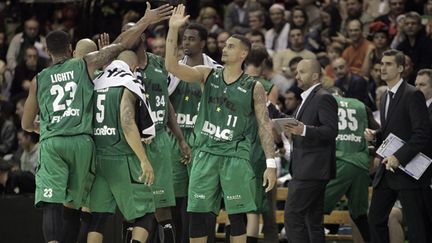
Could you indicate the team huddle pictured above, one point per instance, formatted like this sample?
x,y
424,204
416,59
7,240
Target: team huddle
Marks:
x,y
110,136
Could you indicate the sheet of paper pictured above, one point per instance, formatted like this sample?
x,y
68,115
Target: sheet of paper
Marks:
x,y
415,168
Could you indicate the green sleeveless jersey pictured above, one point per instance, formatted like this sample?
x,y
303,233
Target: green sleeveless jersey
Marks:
x,y
154,77
257,153
107,130
223,116
351,145
185,100
65,99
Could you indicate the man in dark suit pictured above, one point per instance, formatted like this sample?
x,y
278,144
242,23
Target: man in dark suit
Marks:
x,y
403,113
313,159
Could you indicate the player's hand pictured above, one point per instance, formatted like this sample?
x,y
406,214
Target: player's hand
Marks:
x,y
369,134
391,163
156,15
178,17
147,173
186,152
103,40
269,178
295,129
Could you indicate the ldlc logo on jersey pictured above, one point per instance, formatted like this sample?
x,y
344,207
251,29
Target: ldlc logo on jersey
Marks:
x,y
158,116
186,120
216,132
68,112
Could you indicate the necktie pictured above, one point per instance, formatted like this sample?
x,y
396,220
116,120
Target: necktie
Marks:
x,y
390,99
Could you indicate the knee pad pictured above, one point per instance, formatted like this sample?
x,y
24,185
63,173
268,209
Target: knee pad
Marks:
x,y
197,224
52,221
238,224
145,222
98,221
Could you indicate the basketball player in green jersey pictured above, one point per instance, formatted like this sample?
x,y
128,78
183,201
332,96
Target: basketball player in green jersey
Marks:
x,y
185,98
352,161
120,160
221,160
62,96
265,202
151,70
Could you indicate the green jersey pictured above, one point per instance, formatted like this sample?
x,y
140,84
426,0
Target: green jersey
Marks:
x,y
351,145
257,153
185,100
107,130
224,112
154,77
65,99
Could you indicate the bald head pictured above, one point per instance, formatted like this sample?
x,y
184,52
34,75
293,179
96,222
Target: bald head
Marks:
x,y
313,65
308,73
127,26
340,68
130,58
84,47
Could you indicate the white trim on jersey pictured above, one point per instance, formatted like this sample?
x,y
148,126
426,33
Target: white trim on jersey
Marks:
x,y
174,81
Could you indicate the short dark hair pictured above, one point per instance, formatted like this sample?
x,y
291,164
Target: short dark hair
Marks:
x,y
295,28
427,72
399,56
245,41
414,15
257,55
258,33
294,60
296,91
58,42
202,31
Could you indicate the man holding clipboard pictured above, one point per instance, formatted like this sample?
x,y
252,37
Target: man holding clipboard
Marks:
x,y
403,113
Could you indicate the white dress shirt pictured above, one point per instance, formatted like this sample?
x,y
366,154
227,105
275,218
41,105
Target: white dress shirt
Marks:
x,y
304,96
393,90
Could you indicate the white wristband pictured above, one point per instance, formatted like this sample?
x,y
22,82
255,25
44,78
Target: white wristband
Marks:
x,y
271,163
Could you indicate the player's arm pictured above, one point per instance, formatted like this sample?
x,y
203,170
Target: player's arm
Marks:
x,y
31,109
131,132
183,72
127,39
265,134
175,129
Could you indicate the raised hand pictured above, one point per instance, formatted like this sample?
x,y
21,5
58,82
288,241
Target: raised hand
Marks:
x,y
178,17
156,15
103,40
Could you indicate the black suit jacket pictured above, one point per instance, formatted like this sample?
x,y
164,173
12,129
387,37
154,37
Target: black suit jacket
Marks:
x,y
314,155
408,119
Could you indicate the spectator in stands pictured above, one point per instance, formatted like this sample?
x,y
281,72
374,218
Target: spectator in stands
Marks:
x,y
236,19
354,10
4,84
257,21
408,74
357,52
312,11
352,85
29,142
20,42
276,78
212,49
416,45
19,108
292,100
158,47
277,37
256,38
210,19
221,39
297,48
15,182
397,7
331,25
25,72
3,46
8,130
380,39
334,50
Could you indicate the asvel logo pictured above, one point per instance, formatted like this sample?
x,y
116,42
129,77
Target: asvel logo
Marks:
x,y
214,85
158,192
199,196
217,131
233,197
241,89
